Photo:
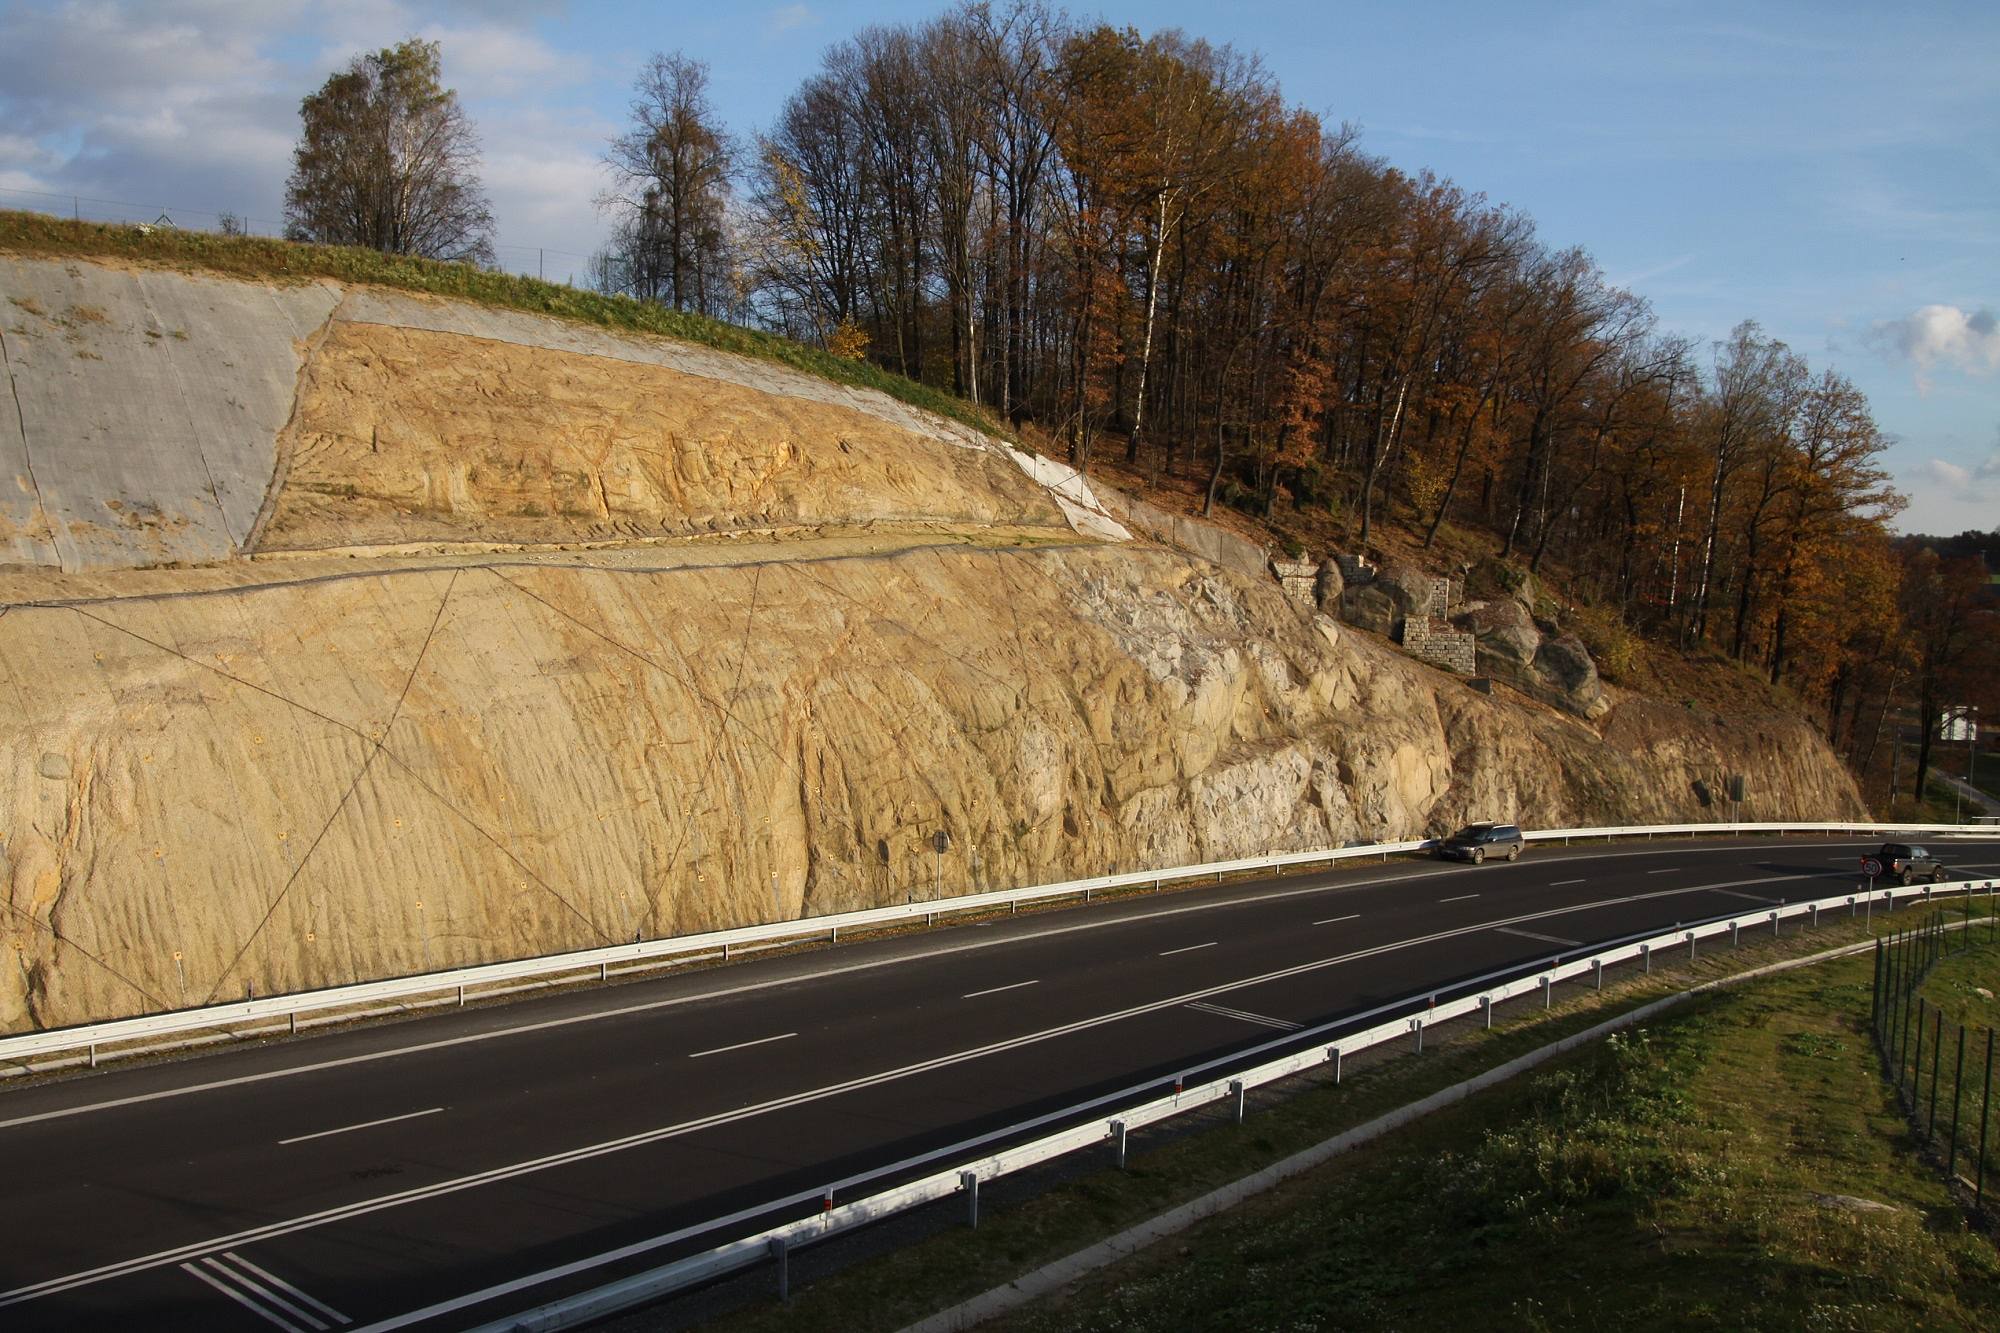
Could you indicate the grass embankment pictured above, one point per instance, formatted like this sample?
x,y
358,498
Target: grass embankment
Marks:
x,y
1674,1177
1664,1180
265,259
1965,985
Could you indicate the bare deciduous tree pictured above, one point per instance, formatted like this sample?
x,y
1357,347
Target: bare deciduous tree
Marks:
x,y
387,159
670,201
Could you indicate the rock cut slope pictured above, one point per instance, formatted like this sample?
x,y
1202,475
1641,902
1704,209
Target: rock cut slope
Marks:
x,y
539,638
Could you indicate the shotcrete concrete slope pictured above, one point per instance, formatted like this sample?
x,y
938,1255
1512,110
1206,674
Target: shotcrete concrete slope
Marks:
x,y
146,409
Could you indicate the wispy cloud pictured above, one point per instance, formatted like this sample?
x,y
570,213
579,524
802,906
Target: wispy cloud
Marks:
x,y
788,18
1977,484
1936,336
1628,281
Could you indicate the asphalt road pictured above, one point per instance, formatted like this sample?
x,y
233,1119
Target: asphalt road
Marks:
x,y
419,1174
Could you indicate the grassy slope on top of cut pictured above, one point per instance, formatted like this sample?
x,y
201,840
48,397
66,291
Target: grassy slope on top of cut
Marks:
x,y
265,259
1675,1177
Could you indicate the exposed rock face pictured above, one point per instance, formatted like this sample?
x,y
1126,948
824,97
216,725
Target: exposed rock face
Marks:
x,y
283,773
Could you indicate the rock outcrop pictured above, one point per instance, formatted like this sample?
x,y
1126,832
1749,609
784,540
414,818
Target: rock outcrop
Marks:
x,y
426,727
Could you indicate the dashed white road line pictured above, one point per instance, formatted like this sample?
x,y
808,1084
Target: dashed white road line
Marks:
x,y
742,1045
1168,953
1563,883
1463,897
1351,916
973,995
366,1124
1670,870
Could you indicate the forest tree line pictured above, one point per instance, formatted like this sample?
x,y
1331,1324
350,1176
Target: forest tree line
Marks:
x,y
1130,243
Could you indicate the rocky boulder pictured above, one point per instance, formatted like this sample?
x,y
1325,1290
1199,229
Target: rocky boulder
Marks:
x,y
1329,586
1555,668
1380,605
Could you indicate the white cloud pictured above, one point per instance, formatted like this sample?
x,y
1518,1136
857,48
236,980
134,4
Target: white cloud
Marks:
x,y
1944,336
789,17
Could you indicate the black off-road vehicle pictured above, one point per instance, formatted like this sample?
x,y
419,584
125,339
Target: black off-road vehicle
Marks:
x,y
1903,863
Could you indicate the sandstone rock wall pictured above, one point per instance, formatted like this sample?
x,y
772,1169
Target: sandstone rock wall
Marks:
x,y
273,788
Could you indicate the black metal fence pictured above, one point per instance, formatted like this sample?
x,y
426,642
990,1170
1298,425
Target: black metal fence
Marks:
x,y
1942,1070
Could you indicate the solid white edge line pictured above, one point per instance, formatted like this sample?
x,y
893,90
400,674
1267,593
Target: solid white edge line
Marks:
x,y
1351,916
1168,953
995,990
280,1283
243,1300
362,1207
366,1124
742,1045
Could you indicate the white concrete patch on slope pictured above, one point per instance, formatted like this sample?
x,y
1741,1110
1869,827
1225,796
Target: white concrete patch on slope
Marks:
x,y
149,405
1073,495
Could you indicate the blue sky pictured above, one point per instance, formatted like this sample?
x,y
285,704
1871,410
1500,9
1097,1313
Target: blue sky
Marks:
x,y
1830,170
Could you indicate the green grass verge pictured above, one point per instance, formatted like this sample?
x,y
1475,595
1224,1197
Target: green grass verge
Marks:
x,y
265,259
1614,1170
1672,1177
1956,984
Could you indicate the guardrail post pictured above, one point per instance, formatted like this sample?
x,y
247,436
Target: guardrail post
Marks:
x,y
1690,946
1547,986
294,1016
1646,959
969,1182
604,971
781,1255
1236,1095
1118,1142
1815,916
725,951
1333,1054
1417,1031
1733,927
833,934
1774,925
461,997
1597,972
1486,1011
93,1055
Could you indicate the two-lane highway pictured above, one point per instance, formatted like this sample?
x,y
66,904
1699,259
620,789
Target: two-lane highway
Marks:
x,y
414,1174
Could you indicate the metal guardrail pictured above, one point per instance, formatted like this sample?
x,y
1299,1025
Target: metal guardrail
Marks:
x,y
463,983
1322,1045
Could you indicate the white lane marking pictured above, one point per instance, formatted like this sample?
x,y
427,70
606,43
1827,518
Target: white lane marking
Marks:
x,y
1463,897
366,1124
1263,1020
724,992
742,1045
1531,935
1749,897
362,1207
265,1293
283,1285
995,990
1168,953
1561,883
1351,916
270,1316
1670,870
